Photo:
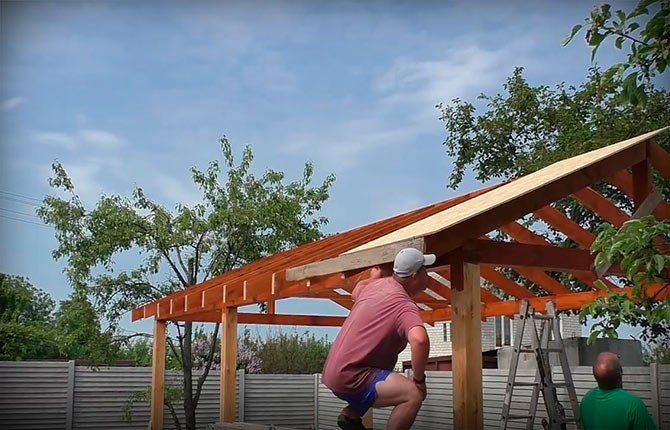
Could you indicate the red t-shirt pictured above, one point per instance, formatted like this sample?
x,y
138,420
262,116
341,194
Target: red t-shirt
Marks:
x,y
372,336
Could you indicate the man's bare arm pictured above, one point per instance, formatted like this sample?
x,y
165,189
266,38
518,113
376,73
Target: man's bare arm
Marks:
x,y
420,347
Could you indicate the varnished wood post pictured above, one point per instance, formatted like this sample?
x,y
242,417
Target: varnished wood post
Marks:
x,y
467,347
228,364
367,419
158,376
642,181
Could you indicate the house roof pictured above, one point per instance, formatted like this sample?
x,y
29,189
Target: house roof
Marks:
x,y
329,268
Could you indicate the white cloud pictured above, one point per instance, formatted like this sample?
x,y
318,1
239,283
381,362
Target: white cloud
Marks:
x,y
12,103
62,140
404,99
89,138
100,138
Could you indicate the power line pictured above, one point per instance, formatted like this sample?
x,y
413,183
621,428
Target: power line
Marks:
x,y
25,221
21,195
13,199
19,212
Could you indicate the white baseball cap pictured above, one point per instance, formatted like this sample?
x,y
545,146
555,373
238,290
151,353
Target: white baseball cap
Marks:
x,y
410,260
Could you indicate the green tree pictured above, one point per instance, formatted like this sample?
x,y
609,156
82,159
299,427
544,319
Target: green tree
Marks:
x,y
26,317
531,127
289,353
639,248
79,334
649,40
240,219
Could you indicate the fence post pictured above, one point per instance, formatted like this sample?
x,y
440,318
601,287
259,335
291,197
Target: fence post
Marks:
x,y
70,395
316,401
654,376
240,395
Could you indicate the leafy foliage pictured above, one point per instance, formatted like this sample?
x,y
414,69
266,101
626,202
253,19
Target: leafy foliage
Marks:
x,y
30,329
656,354
531,127
639,247
242,217
649,53
172,394
289,353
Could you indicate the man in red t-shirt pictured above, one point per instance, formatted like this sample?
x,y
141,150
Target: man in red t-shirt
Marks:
x,y
384,318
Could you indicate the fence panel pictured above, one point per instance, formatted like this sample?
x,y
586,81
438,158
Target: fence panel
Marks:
x,y
284,400
100,396
437,410
664,395
33,395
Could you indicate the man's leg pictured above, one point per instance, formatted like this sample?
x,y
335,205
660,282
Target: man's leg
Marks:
x,y
349,412
401,392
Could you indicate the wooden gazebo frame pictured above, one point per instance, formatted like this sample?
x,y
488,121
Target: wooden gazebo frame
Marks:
x,y
456,231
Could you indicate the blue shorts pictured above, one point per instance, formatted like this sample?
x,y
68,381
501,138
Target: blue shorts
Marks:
x,y
364,399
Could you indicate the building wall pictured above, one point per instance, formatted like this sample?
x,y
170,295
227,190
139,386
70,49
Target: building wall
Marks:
x,y
440,347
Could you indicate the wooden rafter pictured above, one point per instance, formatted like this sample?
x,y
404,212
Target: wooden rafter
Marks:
x,y
447,225
563,302
543,256
624,182
556,219
601,206
659,159
580,259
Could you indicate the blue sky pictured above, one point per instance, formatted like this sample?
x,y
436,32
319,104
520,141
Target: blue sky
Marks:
x,y
135,93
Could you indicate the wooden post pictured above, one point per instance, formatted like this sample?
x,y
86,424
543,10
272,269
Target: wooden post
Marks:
x,y
71,369
367,419
158,376
642,181
228,364
467,347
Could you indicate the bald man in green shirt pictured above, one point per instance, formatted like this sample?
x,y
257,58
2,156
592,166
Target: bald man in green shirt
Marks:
x,y
608,406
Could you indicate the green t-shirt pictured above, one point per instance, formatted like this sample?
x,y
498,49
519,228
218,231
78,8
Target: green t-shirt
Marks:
x,y
614,410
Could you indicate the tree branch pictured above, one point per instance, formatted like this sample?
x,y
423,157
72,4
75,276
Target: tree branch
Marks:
x,y
176,270
208,365
641,42
174,350
175,417
196,267
183,266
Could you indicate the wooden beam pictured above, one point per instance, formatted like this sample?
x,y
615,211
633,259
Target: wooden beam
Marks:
x,y
563,302
544,257
624,182
504,283
357,260
281,319
486,295
467,347
601,206
482,217
556,219
228,364
659,159
524,235
158,376
642,182
645,209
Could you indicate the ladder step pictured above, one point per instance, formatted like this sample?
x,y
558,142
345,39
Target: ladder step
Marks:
x,y
526,384
543,317
519,417
532,351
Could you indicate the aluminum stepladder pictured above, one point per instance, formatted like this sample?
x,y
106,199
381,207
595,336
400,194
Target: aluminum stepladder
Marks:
x,y
543,378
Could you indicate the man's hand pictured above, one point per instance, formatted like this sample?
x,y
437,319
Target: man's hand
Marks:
x,y
421,385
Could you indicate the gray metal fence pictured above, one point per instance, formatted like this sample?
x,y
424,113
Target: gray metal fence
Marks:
x,y
651,384
46,395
